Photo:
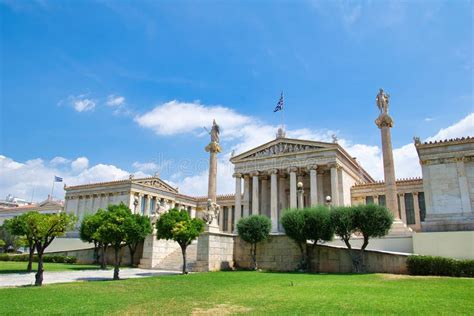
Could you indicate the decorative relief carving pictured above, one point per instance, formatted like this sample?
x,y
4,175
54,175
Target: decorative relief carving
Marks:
x,y
282,148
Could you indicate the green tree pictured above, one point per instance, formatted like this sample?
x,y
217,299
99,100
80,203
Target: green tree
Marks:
x,y
254,229
180,227
317,228
12,242
293,222
17,227
89,226
43,228
369,221
112,232
2,243
137,227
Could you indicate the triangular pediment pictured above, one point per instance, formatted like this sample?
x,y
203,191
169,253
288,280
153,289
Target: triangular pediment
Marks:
x,y
282,146
156,183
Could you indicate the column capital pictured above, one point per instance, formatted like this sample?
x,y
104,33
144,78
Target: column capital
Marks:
x,y
292,169
334,165
312,167
415,193
255,174
264,176
401,194
237,175
246,176
273,171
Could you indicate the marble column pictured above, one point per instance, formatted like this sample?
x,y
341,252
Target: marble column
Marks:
x,y
313,185
385,123
274,200
229,218
417,211
148,205
334,184
293,197
213,148
246,201
403,213
255,194
238,197
264,193
376,199
319,176
282,198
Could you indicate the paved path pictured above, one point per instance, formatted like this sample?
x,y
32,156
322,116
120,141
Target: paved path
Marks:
x,y
22,279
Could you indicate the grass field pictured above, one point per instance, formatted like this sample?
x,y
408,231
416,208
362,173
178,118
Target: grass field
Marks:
x,y
19,267
248,292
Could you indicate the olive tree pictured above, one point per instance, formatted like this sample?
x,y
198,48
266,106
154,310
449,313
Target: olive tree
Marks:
x,y
17,227
309,224
89,225
137,227
254,229
369,221
112,231
43,229
180,227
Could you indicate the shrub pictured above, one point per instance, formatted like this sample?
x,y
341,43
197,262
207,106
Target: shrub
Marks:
x,y
25,257
440,266
254,229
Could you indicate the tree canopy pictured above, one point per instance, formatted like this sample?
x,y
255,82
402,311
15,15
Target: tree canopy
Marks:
x,y
254,229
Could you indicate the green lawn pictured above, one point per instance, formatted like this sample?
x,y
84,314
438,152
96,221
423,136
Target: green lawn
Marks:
x,y
19,267
244,292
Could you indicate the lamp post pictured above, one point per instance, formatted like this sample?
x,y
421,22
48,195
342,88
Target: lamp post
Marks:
x,y
328,201
300,191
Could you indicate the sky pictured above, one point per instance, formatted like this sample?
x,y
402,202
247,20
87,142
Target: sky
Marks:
x,y
98,90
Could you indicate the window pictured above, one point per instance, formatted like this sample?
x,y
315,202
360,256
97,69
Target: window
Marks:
x,y
409,208
369,200
382,200
422,206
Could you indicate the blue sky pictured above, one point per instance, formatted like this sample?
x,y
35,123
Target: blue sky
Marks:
x,y
86,85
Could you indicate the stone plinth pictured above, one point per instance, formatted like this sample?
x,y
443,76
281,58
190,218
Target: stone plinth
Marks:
x,y
215,252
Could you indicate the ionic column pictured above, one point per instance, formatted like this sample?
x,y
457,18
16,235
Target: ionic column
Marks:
x,y
334,185
376,199
403,213
320,174
313,185
264,192
238,196
255,195
221,219
417,211
274,200
246,201
293,198
229,218
147,205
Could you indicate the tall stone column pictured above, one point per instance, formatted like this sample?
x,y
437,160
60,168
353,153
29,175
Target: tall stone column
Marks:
x,y
334,184
274,200
417,211
213,149
313,185
148,205
255,194
385,123
293,198
238,197
246,201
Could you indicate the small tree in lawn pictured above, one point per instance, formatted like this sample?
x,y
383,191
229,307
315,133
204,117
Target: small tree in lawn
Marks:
x,y
254,229
89,226
137,228
43,228
17,227
180,227
367,220
112,231
317,228
12,242
293,221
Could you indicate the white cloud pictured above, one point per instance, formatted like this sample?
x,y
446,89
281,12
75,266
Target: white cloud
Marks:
x,y
113,100
80,103
464,127
80,164
428,119
146,166
57,161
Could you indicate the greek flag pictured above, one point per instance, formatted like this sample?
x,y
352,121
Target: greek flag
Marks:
x,y
58,179
279,106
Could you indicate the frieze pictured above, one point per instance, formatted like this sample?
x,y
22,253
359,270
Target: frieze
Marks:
x,y
283,148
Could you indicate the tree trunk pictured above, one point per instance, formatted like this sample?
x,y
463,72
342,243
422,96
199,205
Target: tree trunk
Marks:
x,y
132,249
183,252
253,255
312,256
39,273
362,252
117,263
303,259
31,247
96,252
103,263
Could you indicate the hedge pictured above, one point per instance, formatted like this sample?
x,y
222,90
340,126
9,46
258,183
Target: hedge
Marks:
x,y
24,257
427,265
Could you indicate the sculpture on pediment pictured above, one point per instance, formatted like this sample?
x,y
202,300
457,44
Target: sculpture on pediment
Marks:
x,y
382,100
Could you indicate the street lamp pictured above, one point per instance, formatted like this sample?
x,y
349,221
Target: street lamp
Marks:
x,y
300,190
328,201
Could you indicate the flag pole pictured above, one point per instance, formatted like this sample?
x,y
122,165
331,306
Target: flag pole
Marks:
x,y
52,189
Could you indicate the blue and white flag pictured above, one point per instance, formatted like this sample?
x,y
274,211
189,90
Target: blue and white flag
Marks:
x,y
279,106
58,179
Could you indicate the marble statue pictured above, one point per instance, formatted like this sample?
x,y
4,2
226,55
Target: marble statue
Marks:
x,y
214,132
212,211
382,101
160,210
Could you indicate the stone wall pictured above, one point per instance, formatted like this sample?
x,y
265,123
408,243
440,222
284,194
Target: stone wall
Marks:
x,y
86,256
215,252
459,245
280,253
155,251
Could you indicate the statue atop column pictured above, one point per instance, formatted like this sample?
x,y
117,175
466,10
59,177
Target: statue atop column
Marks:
x,y
382,99
214,144
213,148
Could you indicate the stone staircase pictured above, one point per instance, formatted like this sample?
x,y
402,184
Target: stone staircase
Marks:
x,y
174,261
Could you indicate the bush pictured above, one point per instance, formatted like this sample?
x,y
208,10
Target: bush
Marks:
x,y
254,229
24,258
427,265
